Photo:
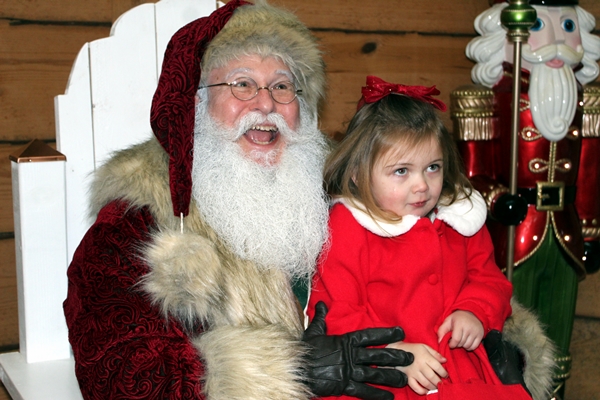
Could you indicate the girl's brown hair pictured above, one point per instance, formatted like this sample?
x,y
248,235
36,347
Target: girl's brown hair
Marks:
x,y
372,132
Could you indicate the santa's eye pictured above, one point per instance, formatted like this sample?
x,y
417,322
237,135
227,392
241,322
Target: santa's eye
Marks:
x,y
538,25
569,25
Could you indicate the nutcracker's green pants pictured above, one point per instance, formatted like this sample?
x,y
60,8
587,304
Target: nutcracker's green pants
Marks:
x,y
547,284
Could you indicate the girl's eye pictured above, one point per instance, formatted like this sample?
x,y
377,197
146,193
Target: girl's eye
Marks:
x,y
569,25
538,25
434,167
401,171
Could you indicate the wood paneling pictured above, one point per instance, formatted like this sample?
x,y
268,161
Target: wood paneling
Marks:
x,y
35,62
3,393
391,15
584,383
66,11
6,209
9,324
434,16
350,57
588,299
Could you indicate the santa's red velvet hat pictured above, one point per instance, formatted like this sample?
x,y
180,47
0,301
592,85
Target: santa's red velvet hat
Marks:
x,y
236,29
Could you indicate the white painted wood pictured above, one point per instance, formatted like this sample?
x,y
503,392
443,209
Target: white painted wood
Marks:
x,y
75,139
123,79
49,380
41,255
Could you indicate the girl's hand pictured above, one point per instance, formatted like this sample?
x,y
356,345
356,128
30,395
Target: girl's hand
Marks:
x,y
467,330
426,371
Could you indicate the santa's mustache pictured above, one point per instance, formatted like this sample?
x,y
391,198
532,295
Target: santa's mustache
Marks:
x,y
562,52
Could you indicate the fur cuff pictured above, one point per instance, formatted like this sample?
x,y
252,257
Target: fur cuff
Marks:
x,y
524,330
184,278
252,363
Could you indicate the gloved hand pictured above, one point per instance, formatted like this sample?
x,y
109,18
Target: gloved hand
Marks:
x,y
506,359
592,256
509,209
342,364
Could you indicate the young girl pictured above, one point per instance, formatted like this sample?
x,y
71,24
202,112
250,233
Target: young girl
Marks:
x,y
408,246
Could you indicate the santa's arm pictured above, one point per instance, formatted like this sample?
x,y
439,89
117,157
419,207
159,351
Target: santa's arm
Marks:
x,y
121,344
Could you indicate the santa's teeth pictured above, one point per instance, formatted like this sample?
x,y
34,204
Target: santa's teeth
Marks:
x,y
264,128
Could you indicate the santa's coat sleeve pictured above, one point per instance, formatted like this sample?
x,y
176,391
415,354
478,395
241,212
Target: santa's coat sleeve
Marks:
x,y
122,346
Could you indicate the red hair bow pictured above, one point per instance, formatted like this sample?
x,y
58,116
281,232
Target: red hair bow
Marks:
x,y
377,89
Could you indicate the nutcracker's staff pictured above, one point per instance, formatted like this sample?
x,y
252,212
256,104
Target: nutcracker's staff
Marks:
x,y
517,18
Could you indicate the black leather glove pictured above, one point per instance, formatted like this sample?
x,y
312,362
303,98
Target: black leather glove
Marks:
x,y
342,364
506,359
509,209
592,256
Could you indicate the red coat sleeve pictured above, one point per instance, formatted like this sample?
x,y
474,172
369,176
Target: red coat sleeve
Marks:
x,y
123,348
487,292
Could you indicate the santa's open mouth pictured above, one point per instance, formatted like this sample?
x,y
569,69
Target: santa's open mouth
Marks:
x,y
261,134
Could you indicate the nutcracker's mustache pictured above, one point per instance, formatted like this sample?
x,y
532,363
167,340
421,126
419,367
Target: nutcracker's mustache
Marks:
x,y
550,52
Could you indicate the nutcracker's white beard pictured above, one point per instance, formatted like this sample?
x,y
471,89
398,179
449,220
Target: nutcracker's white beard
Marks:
x,y
273,215
552,91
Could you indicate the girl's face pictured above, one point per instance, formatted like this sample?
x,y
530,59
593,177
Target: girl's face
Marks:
x,y
409,182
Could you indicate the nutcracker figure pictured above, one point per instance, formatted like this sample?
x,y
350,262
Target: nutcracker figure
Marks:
x,y
556,207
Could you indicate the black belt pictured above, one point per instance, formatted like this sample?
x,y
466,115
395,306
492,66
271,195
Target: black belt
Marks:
x,y
549,196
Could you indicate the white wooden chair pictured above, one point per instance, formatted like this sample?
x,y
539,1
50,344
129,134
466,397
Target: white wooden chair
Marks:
x,y
106,107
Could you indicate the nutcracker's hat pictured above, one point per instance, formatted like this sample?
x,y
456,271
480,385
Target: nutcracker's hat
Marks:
x,y
238,28
549,3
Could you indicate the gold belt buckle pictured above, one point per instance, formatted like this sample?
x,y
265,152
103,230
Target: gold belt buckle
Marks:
x,y
550,196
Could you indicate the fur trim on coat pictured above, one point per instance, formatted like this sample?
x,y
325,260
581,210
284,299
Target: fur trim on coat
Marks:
x,y
466,216
524,330
251,344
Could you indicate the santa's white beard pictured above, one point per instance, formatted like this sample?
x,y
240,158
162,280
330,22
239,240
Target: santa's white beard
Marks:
x,y
275,216
553,91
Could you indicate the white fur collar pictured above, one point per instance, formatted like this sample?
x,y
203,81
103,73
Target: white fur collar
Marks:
x,y
466,216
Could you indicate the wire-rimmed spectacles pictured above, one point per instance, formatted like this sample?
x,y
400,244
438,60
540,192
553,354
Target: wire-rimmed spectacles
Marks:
x,y
246,89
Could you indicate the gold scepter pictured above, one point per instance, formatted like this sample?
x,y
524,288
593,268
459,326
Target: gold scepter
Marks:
x,y
517,18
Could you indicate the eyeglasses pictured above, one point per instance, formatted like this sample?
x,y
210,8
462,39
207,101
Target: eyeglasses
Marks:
x,y
246,89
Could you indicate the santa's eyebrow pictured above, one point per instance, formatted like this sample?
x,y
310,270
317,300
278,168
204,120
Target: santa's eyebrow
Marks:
x,y
237,71
288,74
245,70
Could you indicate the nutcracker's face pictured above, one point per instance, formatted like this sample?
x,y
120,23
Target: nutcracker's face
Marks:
x,y
553,50
554,40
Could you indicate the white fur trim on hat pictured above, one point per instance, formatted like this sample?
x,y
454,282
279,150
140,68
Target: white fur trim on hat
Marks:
x,y
271,32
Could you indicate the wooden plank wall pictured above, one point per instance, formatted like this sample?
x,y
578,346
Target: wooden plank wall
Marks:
x,y
408,41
